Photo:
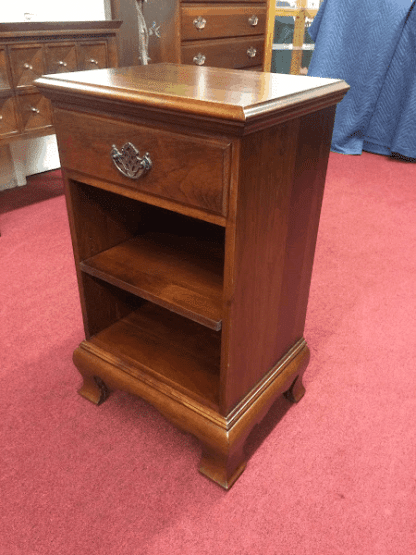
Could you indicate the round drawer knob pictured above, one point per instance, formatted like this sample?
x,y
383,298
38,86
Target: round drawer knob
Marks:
x,y
92,61
200,22
199,59
253,20
62,64
251,52
34,110
27,66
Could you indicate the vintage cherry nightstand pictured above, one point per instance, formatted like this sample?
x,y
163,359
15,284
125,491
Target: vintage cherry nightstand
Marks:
x,y
194,197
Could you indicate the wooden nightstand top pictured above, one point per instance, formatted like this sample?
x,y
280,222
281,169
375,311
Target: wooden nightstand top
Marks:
x,y
238,96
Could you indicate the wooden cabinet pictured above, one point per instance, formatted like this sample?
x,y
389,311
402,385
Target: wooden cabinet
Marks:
x,y
194,196
218,33
29,50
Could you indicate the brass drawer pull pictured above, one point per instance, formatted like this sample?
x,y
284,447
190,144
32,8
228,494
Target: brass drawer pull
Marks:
x,y
34,110
200,22
253,20
63,64
199,59
128,161
251,52
92,61
27,66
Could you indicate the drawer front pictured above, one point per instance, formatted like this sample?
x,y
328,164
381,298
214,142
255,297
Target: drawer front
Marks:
x,y
27,64
207,23
35,111
8,116
190,170
92,55
229,53
4,74
61,58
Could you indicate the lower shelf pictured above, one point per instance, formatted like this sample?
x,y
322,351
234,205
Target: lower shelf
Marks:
x,y
156,342
223,437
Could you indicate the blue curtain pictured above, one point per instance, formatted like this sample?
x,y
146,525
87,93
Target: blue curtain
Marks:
x,y
372,45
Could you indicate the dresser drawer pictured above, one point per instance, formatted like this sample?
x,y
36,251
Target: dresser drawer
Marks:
x,y
193,171
8,118
61,58
92,55
222,21
27,64
35,111
228,53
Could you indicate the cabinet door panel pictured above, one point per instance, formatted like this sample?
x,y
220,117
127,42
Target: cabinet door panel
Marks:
x,y
61,58
222,21
228,53
8,118
92,55
35,111
163,21
27,64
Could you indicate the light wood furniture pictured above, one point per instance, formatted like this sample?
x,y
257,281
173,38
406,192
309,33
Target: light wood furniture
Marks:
x,y
219,33
301,12
29,50
194,271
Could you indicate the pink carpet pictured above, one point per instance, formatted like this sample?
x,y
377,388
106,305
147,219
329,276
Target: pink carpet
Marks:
x,y
333,475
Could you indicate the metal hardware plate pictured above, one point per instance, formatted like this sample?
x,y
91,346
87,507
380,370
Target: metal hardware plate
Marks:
x,y
128,161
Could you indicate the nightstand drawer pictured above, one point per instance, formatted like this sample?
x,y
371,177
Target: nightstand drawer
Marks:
x,y
222,21
193,171
236,53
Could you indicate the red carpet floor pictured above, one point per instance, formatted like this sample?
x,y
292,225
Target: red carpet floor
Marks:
x,y
333,475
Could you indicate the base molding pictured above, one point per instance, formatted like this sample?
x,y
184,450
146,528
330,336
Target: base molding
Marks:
x,y
222,437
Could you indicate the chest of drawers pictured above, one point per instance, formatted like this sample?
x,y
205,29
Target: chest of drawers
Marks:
x,y
194,196
29,50
220,33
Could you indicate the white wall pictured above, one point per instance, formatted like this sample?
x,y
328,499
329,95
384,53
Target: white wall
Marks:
x,y
53,10
27,157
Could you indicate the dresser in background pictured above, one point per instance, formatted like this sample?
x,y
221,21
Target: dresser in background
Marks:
x,y
29,50
217,33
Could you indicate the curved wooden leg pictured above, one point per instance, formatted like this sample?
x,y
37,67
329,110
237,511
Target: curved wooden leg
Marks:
x,y
296,391
94,389
224,469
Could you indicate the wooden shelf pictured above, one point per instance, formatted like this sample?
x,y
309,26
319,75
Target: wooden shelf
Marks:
x,y
155,342
184,275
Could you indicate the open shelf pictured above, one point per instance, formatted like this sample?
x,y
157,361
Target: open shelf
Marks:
x,y
182,274
172,349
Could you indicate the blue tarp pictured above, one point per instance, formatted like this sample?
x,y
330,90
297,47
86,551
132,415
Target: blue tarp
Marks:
x,y
372,45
